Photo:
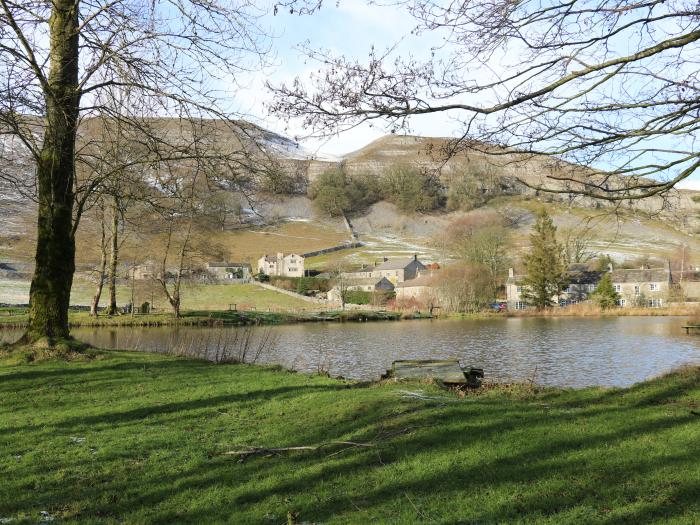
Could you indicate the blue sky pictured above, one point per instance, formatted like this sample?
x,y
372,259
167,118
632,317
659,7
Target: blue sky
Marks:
x,y
349,29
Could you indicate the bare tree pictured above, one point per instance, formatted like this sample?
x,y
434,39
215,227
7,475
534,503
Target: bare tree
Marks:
x,y
482,240
171,281
577,242
102,268
60,62
607,90
341,283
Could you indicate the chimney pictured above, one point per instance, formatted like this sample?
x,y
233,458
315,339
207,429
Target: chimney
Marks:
x,y
511,273
385,259
415,256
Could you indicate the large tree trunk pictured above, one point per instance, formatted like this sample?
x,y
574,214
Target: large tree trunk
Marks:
x,y
49,294
113,259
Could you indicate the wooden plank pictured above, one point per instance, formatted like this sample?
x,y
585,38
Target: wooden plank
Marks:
x,y
447,371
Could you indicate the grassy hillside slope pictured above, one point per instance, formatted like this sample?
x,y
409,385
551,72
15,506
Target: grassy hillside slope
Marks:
x,y
135,438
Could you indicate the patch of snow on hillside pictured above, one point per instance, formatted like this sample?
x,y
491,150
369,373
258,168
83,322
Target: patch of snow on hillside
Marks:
x,y
292,149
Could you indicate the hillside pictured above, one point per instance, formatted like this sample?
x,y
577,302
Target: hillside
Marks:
x,y
656,227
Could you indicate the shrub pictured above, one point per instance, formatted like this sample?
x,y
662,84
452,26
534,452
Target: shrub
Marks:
x,y
279,181
334,192
301,285
412,191
358,297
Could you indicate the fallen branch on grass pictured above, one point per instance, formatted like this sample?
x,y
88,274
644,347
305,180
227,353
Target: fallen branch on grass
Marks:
x,y
345,445
253,451
407,394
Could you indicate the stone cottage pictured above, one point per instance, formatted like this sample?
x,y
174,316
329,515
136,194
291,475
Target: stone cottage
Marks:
x,y
582,282
230,271
281,265
399,270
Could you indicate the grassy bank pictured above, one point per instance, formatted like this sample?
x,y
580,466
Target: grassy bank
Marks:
x,y
194,296
136,438
18,317
591,310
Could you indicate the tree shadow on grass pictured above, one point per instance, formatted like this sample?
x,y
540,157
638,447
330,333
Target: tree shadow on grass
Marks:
x,y
441,469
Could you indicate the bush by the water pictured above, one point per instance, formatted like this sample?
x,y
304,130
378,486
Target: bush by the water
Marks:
x,y
358,297
301,285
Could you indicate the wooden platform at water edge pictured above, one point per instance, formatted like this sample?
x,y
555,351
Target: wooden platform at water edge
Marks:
x,y
447,371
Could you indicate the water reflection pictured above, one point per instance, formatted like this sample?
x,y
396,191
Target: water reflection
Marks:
x,y
555,351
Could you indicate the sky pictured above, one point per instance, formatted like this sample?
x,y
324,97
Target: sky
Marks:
x,y
349,28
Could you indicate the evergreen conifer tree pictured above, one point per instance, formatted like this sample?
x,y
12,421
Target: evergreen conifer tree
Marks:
x,y
605,295
544,264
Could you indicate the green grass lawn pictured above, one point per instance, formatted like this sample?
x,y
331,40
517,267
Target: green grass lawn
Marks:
x,y
194,297
132,438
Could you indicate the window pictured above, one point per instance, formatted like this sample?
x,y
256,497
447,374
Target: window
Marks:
x,y
618,287
567,289
621,302
655,303
636,289
518,289
519,305
654,287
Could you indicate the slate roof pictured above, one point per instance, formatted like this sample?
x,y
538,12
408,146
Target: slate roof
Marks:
x,y
227,265
576,274
583,277
365,281
423,280
397,264
688,276
647,275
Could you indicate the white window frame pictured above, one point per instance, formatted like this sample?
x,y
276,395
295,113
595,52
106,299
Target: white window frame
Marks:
x,y
520,305
518,289
637,290
654,287
621,303
618,287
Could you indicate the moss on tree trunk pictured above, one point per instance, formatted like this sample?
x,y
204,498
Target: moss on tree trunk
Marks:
x,y
49,294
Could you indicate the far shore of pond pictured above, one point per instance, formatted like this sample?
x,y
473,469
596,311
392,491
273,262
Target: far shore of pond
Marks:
x,y
17,317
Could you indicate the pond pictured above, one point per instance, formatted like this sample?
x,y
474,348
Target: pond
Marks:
x,y
575,352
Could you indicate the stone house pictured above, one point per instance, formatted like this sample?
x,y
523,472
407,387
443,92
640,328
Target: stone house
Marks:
x,y
689,283
650,287
230,271
582,282
399,270
281,265
361,284
145,271
421,288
